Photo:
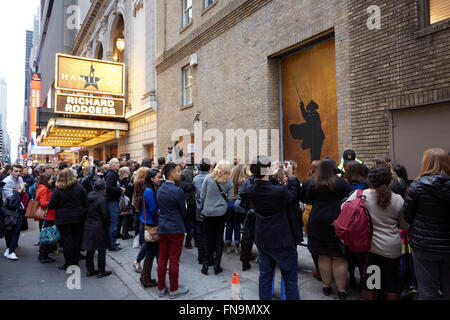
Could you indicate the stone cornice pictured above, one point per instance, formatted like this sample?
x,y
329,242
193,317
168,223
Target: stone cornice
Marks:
x,y
89,23
225,19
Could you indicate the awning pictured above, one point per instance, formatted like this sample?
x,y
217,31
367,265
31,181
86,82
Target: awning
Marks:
x,y
69,132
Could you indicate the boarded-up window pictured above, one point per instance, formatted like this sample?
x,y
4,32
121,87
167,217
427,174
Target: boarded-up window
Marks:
x,y
415,130
439,10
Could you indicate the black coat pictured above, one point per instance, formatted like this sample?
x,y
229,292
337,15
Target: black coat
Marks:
x,y
326,207
270,202
427,210
96,234
88,181
69,204
113,190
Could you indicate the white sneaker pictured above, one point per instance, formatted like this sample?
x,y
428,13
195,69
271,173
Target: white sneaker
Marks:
x,y
6,254
13,257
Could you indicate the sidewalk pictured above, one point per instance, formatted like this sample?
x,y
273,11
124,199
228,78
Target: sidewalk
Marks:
x,y
215,287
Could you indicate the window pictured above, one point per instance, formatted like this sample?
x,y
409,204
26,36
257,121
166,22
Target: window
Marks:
x,y
208,3
187,86
187,12
439,10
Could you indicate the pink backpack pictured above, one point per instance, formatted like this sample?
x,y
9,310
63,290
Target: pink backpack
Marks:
x,y
354,225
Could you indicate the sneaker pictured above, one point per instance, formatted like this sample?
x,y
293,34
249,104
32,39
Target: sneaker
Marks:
x,y
116,249
179,292
47,260
6,254
228,248
162,293
237,250
12,257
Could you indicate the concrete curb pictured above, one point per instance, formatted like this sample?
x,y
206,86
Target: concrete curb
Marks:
x,y
134,286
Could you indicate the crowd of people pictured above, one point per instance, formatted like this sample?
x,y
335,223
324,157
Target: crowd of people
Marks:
x,y
217,207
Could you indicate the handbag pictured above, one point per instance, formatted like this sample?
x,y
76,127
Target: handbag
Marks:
x,y
150,233
34,210
49,235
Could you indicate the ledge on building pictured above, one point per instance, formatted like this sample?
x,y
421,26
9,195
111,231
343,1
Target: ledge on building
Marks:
x,y
187,26
186,106
435,27
205,10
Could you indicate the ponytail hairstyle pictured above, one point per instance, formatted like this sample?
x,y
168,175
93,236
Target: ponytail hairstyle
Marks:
x,y
380,178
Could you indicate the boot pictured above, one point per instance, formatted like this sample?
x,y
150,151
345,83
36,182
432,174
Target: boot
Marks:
x,y
146,279
43,255
205,269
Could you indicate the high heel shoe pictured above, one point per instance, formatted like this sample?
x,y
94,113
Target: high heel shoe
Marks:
x,y
205,269
342,295
327,290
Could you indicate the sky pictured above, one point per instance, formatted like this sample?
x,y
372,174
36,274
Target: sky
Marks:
x,y
15,19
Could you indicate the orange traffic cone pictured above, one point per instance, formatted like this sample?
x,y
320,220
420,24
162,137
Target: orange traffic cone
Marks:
x,y
236,293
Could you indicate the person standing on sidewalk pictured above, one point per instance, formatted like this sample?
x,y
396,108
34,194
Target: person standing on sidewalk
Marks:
x,y
201,238
69,202
149,217
233,223
113,191
96,230
273,236
172,205
11,192
426,209
217,192
190,223
43,196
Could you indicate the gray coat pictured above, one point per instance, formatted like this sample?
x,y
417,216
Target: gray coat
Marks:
x,y
212,202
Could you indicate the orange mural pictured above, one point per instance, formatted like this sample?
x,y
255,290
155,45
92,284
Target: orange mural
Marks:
x,y
310,106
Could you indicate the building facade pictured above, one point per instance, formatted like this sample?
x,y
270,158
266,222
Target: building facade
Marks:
x,y
134,22
4,137
317,72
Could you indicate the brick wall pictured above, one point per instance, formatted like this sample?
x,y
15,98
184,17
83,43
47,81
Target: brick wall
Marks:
x,y
236,83
414,65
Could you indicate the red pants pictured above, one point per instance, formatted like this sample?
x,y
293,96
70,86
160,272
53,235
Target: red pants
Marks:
x,y
170,246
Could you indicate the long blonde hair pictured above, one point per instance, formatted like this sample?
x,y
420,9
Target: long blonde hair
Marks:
x,y
66,179
244,174
235,173
222,172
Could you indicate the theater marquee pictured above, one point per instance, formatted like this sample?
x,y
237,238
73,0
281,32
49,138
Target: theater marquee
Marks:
x,y
89,75
89,106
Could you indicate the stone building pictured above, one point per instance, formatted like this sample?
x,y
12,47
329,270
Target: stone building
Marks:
x,y
247,64
133,22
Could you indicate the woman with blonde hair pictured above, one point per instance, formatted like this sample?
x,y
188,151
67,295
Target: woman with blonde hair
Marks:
x,y
125,217
233,224
69,200
426,209
217,192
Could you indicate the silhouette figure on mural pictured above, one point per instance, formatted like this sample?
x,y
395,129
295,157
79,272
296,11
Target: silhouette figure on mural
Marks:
x,y
311,131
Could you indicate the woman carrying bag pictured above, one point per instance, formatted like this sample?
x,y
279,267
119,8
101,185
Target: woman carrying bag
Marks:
x,y
43,195
149,218
217,191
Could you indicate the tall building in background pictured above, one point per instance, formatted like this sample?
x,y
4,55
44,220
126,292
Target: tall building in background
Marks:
x,y
4,138
26,109
3,102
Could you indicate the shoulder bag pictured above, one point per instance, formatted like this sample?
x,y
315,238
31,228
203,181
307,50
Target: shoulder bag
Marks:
x,y
49,235
150,233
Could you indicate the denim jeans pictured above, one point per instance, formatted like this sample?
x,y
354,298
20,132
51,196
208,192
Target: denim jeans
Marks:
x,y
233,224
114,217
12,236
287,259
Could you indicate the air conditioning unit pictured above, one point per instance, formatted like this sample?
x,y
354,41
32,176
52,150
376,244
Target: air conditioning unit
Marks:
x,y
193,60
